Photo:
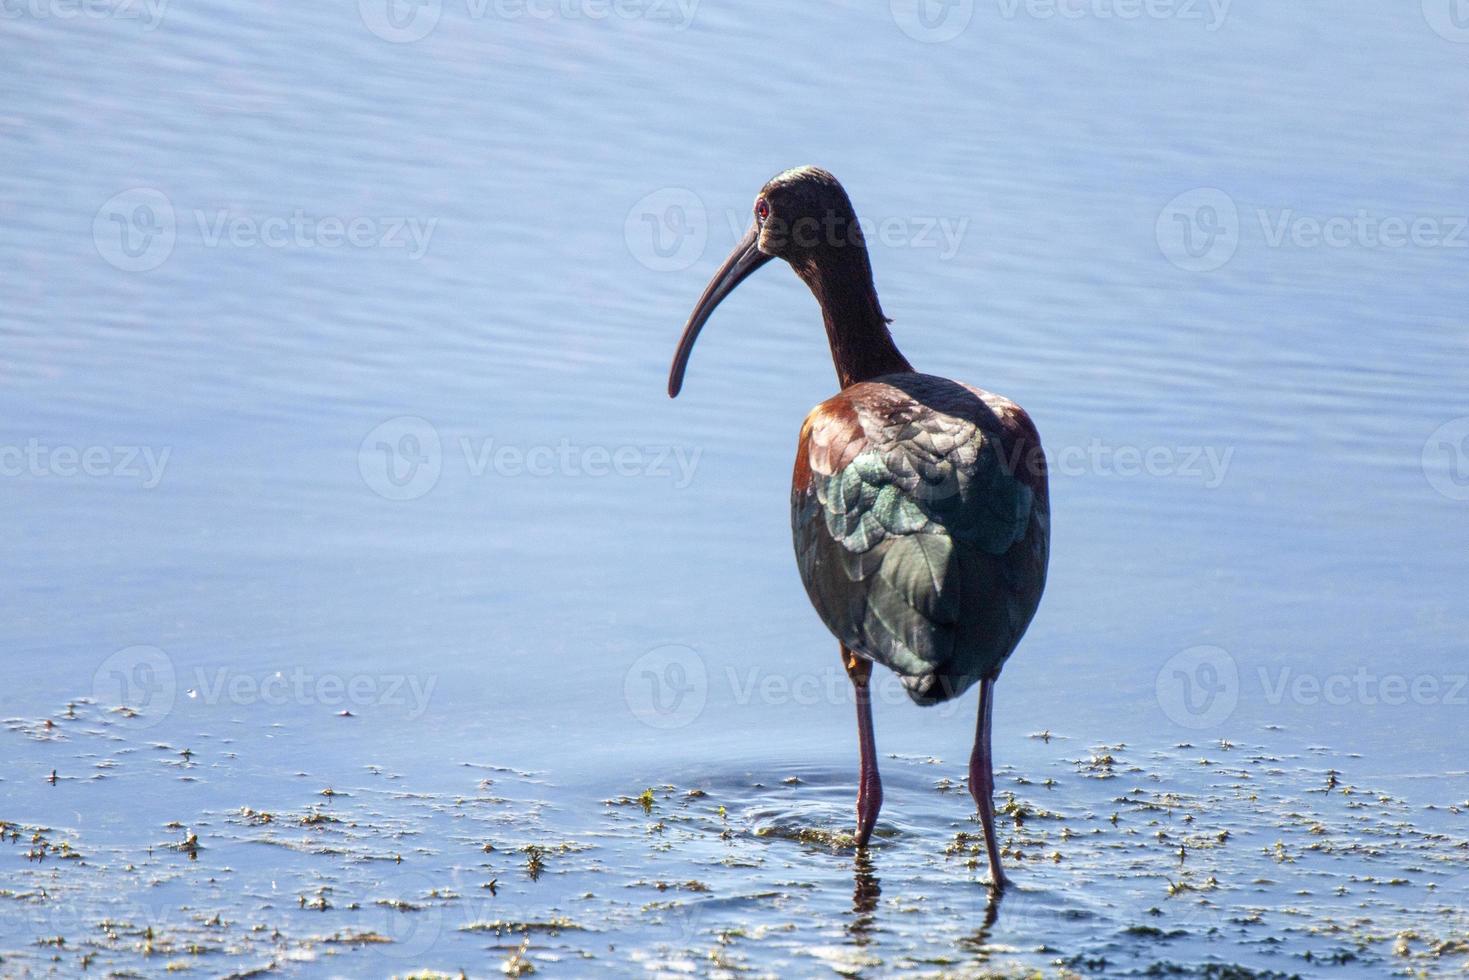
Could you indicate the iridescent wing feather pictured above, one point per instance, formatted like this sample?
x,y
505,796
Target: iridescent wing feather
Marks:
x,y
921,522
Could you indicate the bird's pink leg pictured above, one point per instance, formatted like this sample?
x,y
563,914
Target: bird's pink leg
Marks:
x,y
982,782
869,784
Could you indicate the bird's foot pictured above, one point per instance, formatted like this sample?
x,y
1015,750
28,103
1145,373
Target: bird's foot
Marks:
x,y
869,804
998,881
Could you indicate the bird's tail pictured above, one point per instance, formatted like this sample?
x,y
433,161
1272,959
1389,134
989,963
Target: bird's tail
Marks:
x,y
937,686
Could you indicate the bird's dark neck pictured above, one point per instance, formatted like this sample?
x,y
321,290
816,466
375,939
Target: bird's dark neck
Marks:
x,y
861,346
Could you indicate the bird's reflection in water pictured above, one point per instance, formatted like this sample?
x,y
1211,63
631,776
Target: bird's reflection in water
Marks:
x,y
993,898
978,941
866,890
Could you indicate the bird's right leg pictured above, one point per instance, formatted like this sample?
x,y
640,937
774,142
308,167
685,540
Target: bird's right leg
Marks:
x,y
869,784
982,781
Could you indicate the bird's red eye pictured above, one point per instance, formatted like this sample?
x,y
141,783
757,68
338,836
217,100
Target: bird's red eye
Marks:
x,y
762,209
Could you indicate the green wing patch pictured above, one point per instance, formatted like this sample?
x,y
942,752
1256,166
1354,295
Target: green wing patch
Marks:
x,y
900,546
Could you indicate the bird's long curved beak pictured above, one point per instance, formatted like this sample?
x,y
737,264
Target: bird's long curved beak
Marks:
x,y
745,259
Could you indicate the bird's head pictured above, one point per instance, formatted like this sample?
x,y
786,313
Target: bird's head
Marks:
x,y
802,216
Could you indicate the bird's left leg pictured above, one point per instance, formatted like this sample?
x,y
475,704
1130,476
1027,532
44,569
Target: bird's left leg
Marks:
x,y
869,785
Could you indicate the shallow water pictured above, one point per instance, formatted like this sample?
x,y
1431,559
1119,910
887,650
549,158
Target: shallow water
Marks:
x,y
258,473
1188,859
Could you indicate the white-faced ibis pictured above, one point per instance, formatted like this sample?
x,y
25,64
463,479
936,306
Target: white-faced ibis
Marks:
x,y
919,505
